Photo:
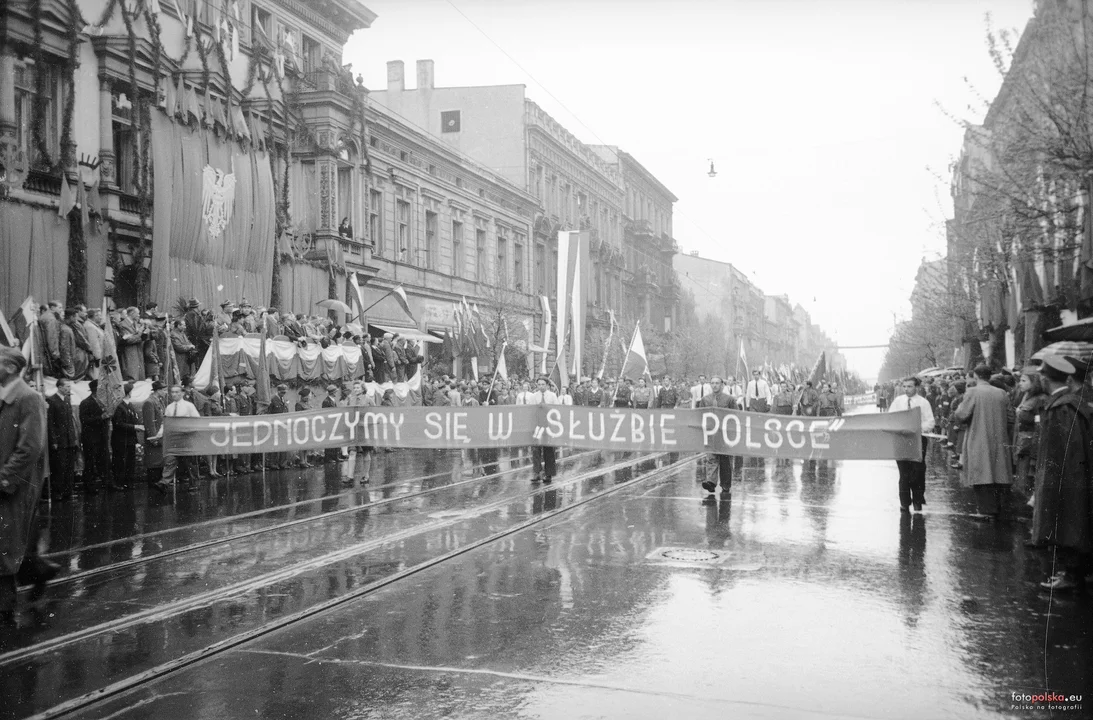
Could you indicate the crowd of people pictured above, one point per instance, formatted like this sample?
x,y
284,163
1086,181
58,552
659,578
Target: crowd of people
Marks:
x,y
71,339
1027,434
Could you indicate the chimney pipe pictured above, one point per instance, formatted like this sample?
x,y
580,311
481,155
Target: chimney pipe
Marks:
x,y
424,74
396,76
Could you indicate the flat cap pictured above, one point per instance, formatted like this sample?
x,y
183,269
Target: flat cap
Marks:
x,y
1057,368
282,386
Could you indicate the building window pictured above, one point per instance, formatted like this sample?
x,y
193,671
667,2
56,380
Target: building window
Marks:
x,y
539,184
375,220
502,260
540,269
450,121
518,263
431,249
38,84
261,25
312,53
125,149
457,249
480,254
402,209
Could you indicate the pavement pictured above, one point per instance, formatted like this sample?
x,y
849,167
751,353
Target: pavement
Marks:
x,y
617,591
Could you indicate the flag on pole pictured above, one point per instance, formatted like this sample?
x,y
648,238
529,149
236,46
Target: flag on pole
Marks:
x,y
218,369
111,385
636,365
263,392
819,370
404,302
743,359
474,367
502,368
9,336
481,329
607,344
359,295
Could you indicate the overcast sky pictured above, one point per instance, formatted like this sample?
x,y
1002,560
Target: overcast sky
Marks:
x,y
822,119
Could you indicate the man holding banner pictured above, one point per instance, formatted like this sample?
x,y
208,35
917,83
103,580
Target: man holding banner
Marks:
x,y
912,473
721,467
543,456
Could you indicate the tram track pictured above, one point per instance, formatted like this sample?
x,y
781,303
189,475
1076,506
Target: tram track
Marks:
x,y
212,542
150,675
265,579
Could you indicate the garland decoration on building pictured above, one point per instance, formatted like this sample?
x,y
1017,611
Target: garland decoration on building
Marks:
x,y
77,259
38,111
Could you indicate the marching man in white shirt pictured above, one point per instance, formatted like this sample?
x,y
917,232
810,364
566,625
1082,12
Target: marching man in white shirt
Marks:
x,y
758,397
542,456
178,407
912,474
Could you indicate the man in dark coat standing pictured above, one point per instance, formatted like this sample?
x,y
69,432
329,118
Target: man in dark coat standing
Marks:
x,y
95,439
22,470
277,406
721,467
123,440
1063,515
64,441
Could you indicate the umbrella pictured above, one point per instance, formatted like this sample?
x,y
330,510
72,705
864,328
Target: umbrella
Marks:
x,y
334,305
928,372
1081,350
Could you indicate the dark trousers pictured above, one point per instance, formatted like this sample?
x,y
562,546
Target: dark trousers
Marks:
x,y
543,460
989,498
96,462
125,459
62,471
719,469
912,479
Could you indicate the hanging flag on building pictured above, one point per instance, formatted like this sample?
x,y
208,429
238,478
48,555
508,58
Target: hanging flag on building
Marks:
x,y
68,198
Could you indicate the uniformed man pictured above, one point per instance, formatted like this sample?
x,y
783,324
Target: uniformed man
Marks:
x,y
809,401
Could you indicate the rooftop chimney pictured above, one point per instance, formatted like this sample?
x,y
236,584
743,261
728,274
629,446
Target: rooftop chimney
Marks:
x,y
396,80
424,74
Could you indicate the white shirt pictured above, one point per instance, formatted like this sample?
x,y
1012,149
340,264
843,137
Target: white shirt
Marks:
x,y
547,397
698,392
759,390
900,404
182,408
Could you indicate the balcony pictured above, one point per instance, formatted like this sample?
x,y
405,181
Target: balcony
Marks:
x,y
642,229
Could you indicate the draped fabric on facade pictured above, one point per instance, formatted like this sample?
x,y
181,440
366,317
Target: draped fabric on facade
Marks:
x,y
304,199
186,261
303,285
33,255
287,361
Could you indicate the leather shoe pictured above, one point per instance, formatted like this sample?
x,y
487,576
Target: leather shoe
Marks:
x,y
709,486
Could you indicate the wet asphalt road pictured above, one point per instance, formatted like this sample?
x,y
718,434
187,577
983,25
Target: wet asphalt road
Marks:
x,y
614,593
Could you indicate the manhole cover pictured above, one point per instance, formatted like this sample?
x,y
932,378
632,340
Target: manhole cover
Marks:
x,y
689,555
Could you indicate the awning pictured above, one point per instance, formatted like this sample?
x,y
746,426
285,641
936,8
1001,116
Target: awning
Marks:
x,y
409,333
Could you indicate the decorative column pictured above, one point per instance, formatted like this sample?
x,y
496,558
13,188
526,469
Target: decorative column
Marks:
x,y
108,174
14,161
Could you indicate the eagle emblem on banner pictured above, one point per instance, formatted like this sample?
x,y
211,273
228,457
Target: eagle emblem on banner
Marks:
x,y
217,199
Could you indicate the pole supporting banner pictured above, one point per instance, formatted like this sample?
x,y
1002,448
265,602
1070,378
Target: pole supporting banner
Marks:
x,y
889,436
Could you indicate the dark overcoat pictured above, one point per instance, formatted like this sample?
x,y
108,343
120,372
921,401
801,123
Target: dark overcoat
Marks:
x,y
22,470
1064,492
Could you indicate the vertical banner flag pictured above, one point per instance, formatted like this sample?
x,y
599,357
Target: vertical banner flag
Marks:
x,y
607,344
474,367
547,322
564,289
744,360
579,284
635,365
